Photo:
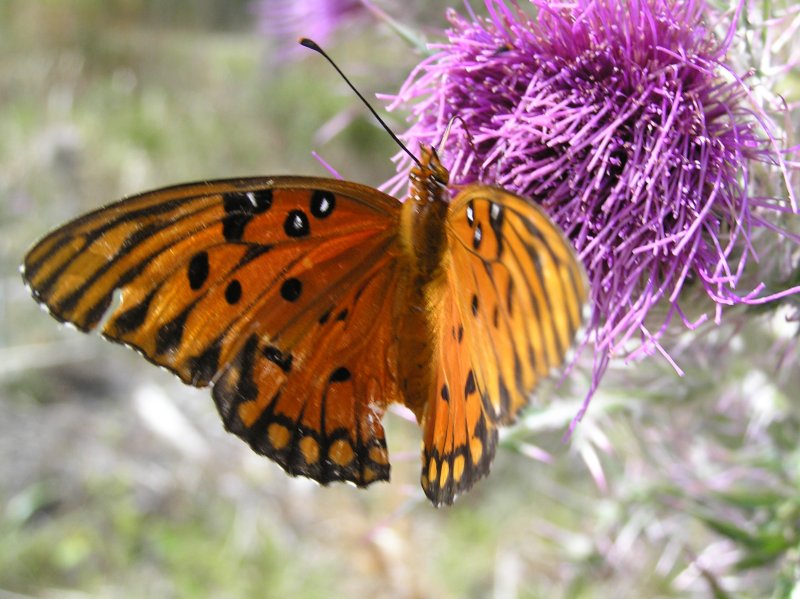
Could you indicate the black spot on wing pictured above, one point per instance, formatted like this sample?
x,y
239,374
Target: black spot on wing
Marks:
x,y
202,368
469,386
296,224
340,375
274,355
198,271
322,203
169,335
246,389
240,207
133,318
496,217
291,289
477,237
261,200
233,292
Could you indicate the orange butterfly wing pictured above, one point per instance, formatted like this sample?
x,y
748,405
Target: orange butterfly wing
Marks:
x,y
511,309
274,289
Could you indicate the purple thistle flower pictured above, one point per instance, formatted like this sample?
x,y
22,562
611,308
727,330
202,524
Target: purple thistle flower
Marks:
x,y
622,119
287,20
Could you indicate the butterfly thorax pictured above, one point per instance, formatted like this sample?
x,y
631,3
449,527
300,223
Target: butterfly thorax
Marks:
x,y
424,214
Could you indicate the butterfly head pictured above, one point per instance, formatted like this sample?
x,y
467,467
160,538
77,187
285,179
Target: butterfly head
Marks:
x,y
429,178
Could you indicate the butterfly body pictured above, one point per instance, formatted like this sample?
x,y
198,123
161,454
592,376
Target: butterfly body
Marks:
x,y
423,241
312,304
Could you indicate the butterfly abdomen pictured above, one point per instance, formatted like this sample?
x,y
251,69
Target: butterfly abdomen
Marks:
x,y
423,240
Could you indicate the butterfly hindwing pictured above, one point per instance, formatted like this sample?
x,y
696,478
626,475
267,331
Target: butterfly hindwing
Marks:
x,y
459,434
316,410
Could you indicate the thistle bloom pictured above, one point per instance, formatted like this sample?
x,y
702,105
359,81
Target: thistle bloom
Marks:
x,y
287,20
622,119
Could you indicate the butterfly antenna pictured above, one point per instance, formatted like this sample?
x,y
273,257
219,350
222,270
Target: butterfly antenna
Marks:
x,y
313,46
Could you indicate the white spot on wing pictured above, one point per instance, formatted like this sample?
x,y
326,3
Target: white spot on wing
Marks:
x,y
116,302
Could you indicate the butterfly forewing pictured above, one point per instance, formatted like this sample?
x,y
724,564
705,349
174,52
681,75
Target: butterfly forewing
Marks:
x,y
196,263
522,289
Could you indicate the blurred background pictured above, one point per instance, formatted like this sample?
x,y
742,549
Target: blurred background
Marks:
x,y
118,481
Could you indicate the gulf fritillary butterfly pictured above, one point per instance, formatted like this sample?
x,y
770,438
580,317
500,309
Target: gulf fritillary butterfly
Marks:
x,y
312,304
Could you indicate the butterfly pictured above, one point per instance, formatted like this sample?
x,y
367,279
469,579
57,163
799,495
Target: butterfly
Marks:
x,y
311,304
